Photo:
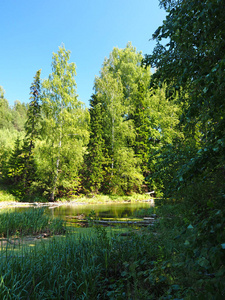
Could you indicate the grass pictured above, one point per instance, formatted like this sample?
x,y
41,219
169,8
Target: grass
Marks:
x,y
98,199
73,267
174,259
6,196
30,222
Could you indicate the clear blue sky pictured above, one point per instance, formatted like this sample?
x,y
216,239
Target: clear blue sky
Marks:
x,y
30,31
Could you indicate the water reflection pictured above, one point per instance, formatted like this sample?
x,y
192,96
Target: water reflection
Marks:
x,y
123,210
117,210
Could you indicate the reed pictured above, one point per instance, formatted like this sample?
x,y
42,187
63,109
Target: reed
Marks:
x,y
99,265
151,263
30,222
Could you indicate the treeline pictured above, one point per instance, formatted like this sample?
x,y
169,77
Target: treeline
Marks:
x,y
162,131
62,148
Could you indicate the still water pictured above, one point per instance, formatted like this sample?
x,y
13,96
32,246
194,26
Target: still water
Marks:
x,y
117,210
121,210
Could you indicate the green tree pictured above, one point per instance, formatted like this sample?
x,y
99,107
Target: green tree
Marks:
x,y
32,129
15,169
116,88
95,159
19,114
65,127
5,112
192,62
8,131
137,121
32,125
142,124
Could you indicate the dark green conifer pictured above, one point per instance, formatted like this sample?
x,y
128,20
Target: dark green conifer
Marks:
x,y
95,159
32,128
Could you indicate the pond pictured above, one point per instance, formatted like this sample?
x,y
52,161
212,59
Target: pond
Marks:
x,y
112,210
117,210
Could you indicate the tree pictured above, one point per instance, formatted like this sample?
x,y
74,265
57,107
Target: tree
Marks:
x,y
5,112
32,125
137,121
19,113
11,134
32,129
192,63
95,159
115,89
65,124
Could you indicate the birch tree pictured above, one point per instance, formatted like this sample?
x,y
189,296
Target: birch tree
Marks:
x,y
114,87
65,131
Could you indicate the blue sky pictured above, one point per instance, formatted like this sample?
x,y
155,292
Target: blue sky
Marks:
x,y
30,31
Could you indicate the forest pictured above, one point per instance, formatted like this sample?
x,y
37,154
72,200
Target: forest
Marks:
x,y
55,147
161,131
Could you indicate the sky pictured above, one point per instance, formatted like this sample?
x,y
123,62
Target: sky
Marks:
x,y
30,31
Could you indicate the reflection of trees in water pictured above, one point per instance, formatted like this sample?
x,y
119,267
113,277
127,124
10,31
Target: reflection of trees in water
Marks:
x,y
103,210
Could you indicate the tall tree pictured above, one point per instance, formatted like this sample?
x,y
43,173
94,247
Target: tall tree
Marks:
x,y
5,112
95,159
19,114
65,126
137,121
116,88
32,129
192,63
32,125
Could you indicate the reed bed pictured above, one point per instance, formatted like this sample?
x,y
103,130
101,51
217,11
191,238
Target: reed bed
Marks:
x,y
152,263
99,265
30,222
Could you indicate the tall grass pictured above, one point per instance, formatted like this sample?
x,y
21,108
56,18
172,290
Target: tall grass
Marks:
x,y
84,267
32,221
172,260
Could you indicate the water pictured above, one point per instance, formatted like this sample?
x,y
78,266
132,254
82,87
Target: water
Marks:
x,y
112,210
121,210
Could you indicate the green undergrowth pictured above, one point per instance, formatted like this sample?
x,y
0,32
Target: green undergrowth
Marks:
x,y
100,198
192,249
5,195
30,222
180,257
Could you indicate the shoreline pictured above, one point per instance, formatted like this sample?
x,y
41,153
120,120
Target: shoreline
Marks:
x,y
51,205
9,204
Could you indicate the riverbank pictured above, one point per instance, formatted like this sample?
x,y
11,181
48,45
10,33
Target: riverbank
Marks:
x,y
99,199
6,204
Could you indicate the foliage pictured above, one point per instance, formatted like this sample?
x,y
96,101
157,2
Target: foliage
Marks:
x,y
192,63
174,259
15,169
5,195
95,158
32,125
64,125
32,221
12,122
114,91
19,112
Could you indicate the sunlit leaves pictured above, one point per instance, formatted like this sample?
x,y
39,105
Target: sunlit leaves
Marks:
x,y
65,122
